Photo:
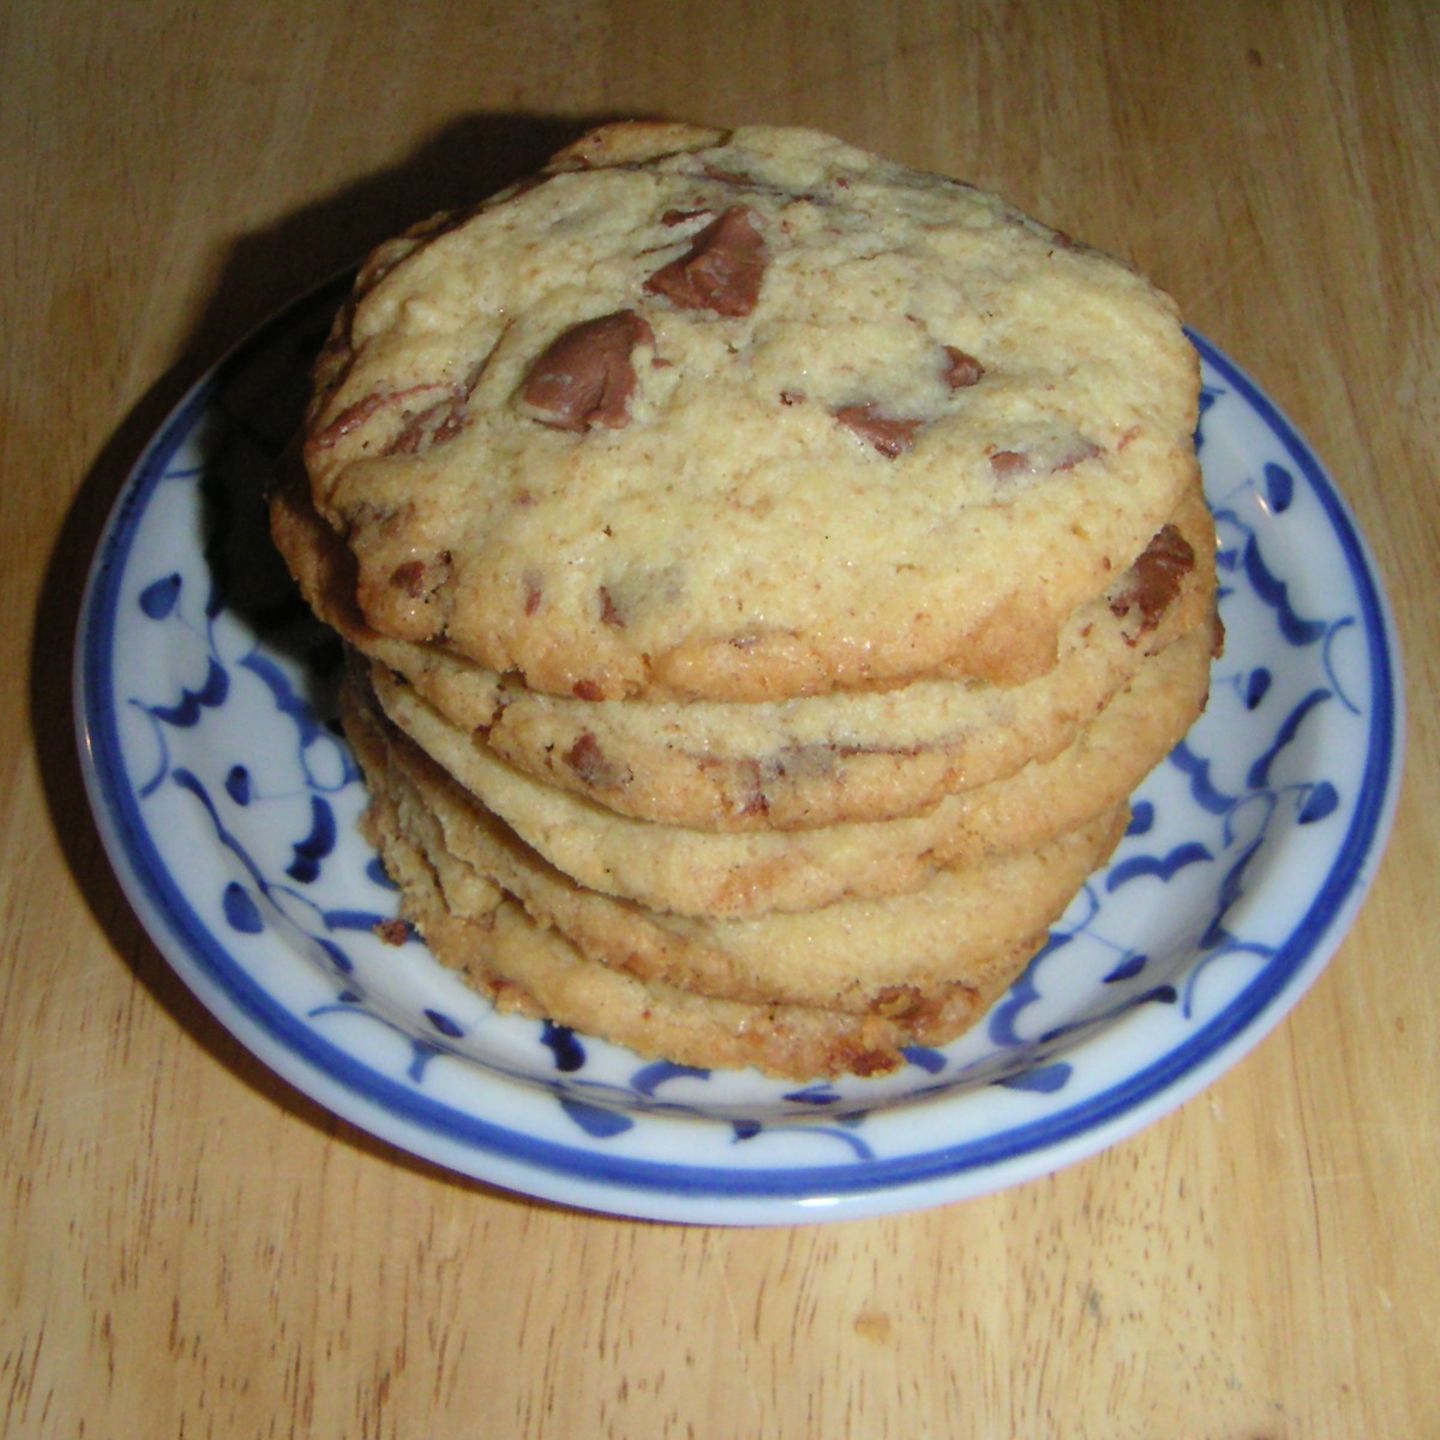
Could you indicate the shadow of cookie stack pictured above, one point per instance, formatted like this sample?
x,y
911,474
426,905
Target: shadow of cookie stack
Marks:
x,y
765,572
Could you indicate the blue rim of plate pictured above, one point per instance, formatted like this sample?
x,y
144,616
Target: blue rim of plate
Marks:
x,y
592,1178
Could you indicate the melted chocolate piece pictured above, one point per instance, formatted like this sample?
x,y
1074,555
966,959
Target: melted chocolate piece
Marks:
x,y
352,417
1154,579
961,370
419,579
1006,464
410,578
441,422
890,435
610,611
1081,451
722,269
590,764
725,177
585,376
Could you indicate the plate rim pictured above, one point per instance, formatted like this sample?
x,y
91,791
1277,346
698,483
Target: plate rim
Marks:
x,y
593,1178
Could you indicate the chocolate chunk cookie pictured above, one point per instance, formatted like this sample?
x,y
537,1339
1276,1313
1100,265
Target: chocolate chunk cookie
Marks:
x,y
744,416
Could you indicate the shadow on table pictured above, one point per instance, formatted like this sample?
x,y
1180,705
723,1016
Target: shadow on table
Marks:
x,y
256,273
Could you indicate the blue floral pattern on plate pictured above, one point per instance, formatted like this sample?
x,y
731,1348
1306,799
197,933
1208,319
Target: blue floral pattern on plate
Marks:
x,y
229,805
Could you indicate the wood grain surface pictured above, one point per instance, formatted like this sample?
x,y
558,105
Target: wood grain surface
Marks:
x,y
187,1248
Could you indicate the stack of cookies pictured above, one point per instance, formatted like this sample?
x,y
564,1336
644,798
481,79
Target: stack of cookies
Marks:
x,y
765,572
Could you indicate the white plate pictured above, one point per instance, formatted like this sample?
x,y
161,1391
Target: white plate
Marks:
x,y
229,807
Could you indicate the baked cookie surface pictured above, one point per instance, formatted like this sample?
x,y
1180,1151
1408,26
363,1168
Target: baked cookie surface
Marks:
x,y
842,757
743,416
854,955
529,966
709,873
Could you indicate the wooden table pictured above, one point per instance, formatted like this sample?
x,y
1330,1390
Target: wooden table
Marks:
x,y
188,1248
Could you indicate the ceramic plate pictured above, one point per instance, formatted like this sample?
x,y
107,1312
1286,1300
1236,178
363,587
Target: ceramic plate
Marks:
x,y
228,804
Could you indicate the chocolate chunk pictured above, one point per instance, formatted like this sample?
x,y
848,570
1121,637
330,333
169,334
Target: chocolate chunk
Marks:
x,y
443,421
392,932
1007,464
409,577
725,177
590,764
419,579
585,376
722,269
961,370
890,435
352,417
1154,579
1082,450
609,611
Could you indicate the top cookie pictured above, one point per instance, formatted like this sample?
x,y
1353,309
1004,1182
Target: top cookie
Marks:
x,y
744,415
